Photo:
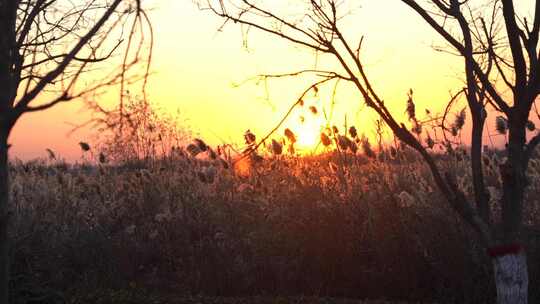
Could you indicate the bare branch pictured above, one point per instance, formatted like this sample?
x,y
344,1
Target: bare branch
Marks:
x,y
462,50
286,115
513,33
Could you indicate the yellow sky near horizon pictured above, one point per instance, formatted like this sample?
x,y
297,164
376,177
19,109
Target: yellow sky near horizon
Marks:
x,y
194,67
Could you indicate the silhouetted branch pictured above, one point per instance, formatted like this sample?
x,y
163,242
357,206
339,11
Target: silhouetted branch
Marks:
x,y
27,98
286,115
462,49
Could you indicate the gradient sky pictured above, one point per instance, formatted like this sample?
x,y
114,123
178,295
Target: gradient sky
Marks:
x,y
195,67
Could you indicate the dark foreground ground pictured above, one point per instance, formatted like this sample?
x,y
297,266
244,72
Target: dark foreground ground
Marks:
x,y
127,297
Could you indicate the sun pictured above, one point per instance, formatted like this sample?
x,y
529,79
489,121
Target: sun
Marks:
x,y
308,137
307,133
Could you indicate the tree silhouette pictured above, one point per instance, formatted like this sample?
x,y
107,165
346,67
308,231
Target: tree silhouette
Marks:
x,y
47,48
498,48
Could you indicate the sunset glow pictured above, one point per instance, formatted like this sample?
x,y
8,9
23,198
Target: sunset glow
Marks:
x,y
195,67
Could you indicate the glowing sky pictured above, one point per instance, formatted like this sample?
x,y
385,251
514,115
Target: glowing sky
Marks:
x,y
195,66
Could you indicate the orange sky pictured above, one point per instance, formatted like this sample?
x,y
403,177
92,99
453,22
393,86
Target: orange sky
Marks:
x,y
195,66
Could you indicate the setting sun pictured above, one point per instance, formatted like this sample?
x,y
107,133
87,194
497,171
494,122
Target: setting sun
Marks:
x,y
308,134
308,137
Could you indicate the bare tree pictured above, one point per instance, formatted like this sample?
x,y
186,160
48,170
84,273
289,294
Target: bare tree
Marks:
x,y
497,47
52,51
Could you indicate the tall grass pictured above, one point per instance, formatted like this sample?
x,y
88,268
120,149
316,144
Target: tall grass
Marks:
x,y
291,225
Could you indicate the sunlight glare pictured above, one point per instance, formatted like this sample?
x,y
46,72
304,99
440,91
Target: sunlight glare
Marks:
x,y
308,136
308,132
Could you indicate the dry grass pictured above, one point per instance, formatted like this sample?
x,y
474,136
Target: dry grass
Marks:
x,y
330,225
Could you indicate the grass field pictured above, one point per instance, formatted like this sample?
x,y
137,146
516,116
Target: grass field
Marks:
x,y
334,225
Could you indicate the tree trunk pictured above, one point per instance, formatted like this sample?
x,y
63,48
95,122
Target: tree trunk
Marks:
x,y
511,278
514,182
4,217
480,194
509,261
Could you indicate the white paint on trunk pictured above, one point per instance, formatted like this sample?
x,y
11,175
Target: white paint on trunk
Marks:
x,y
511,278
